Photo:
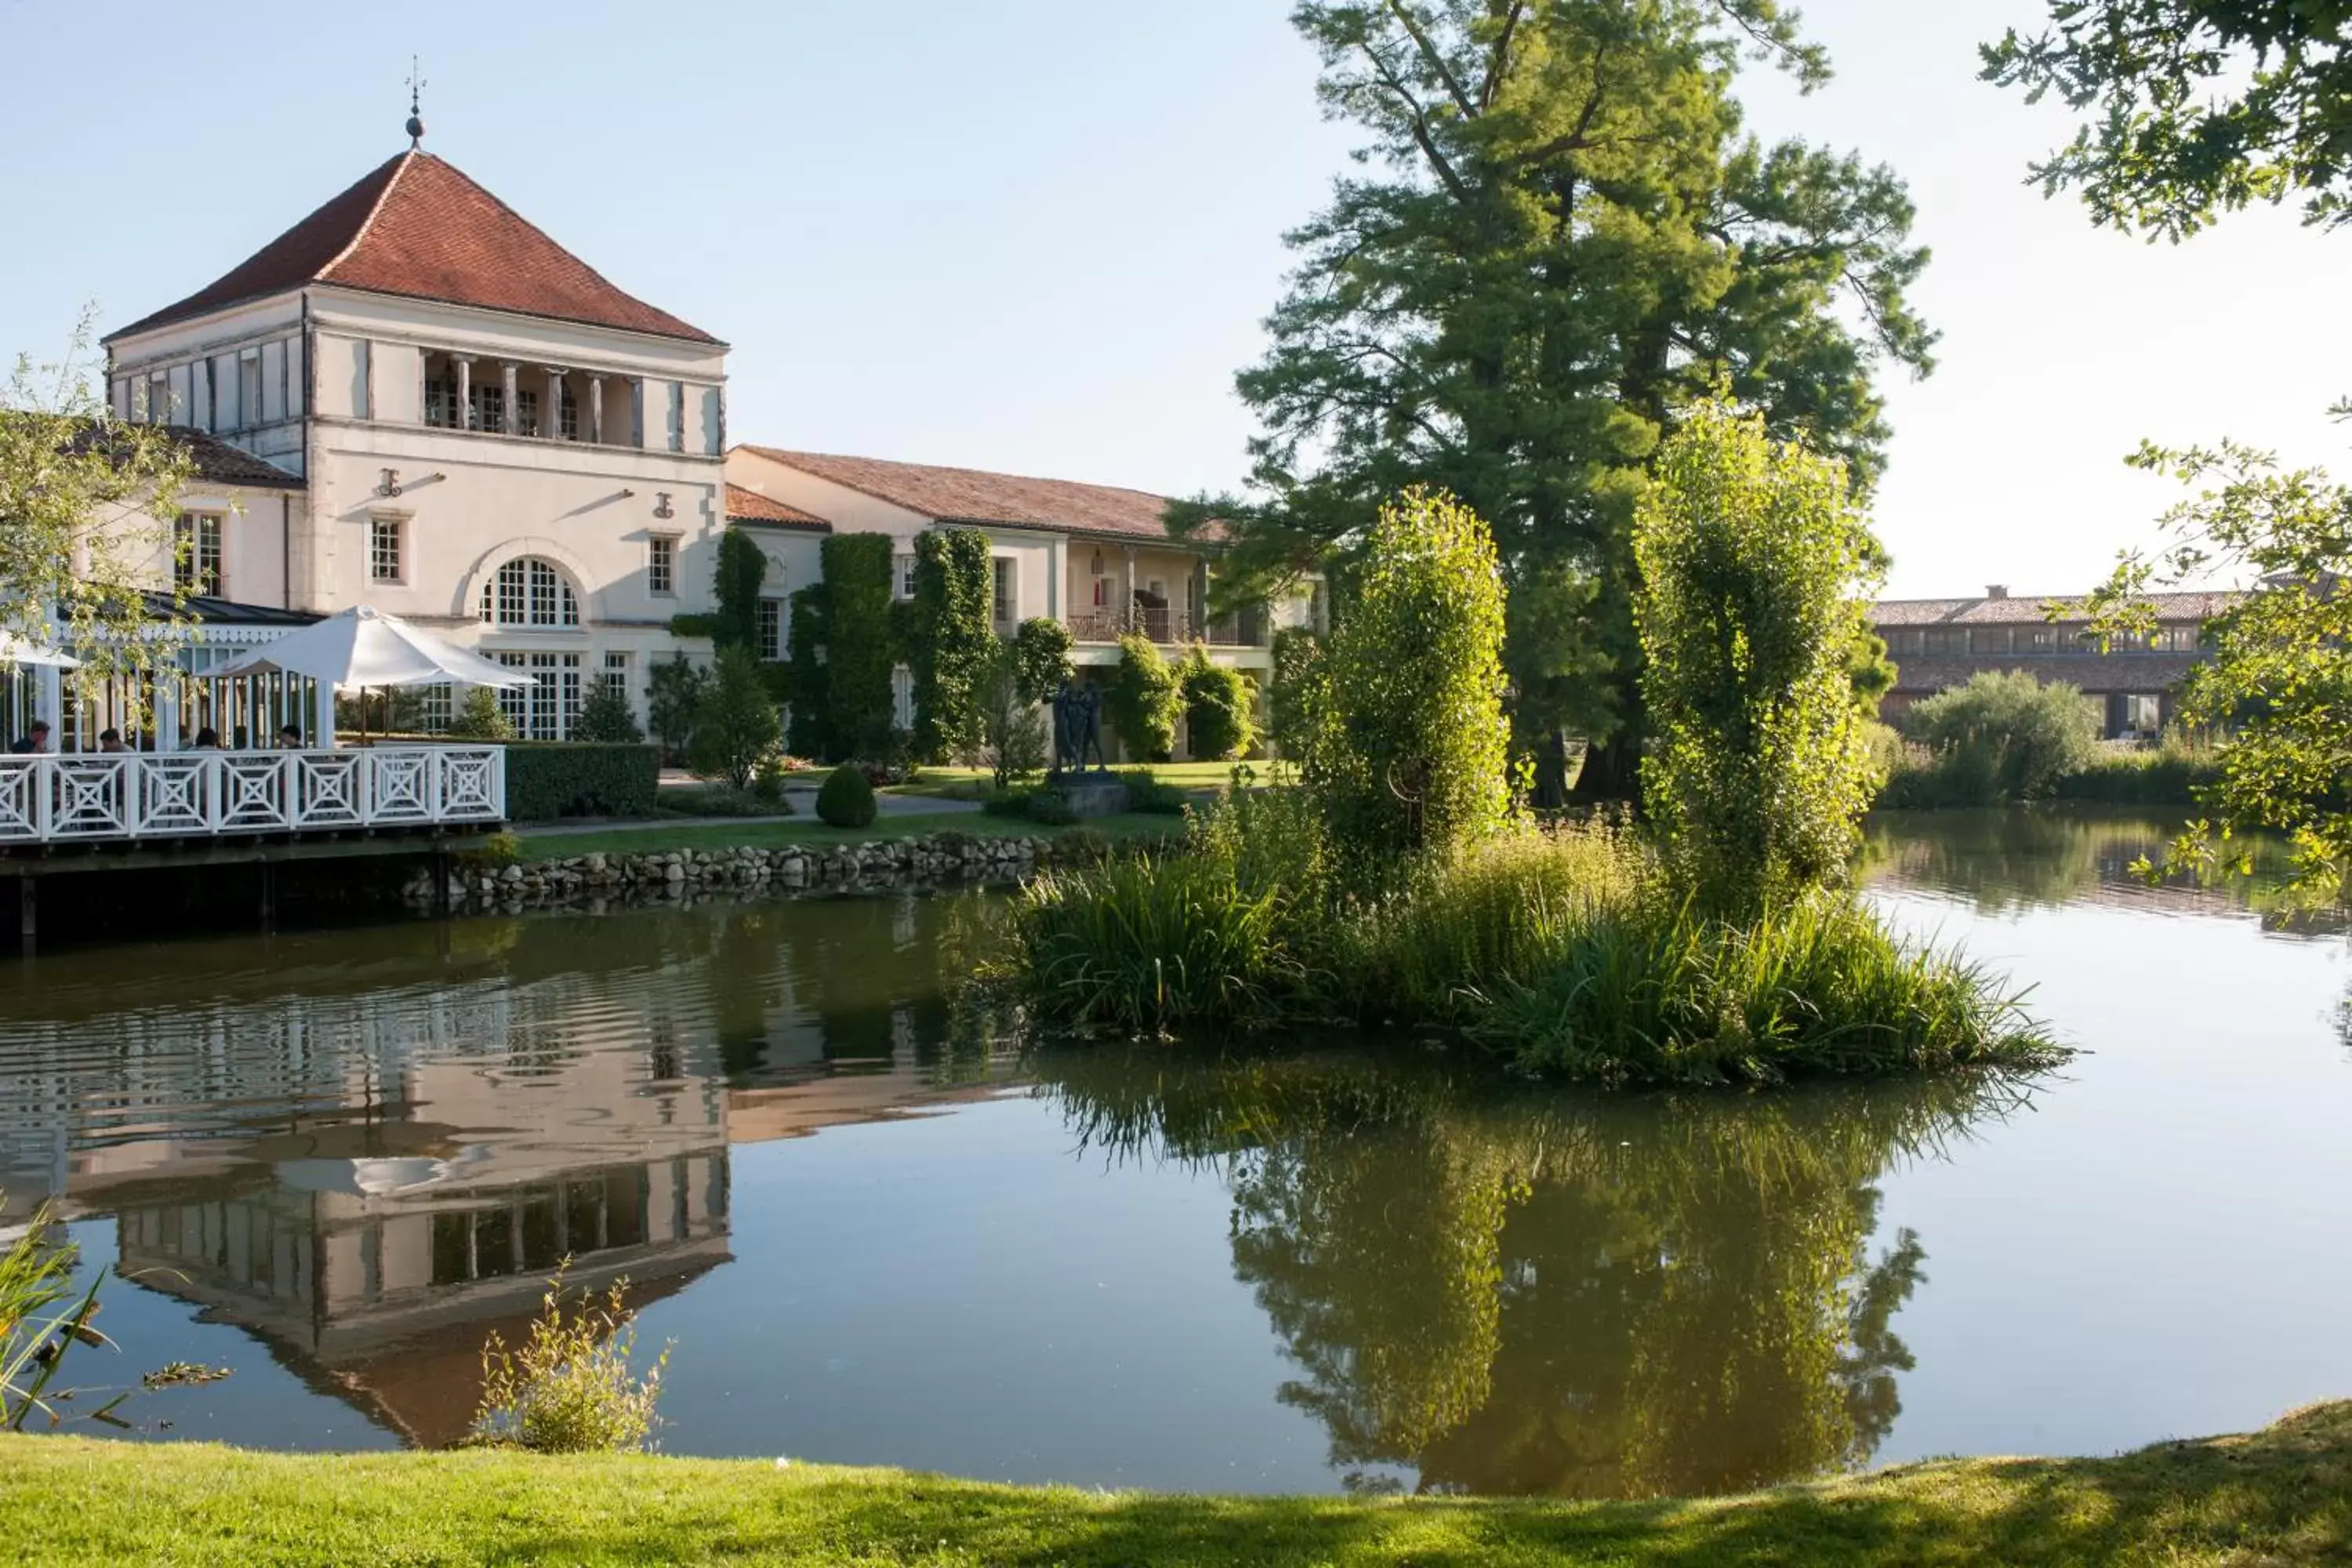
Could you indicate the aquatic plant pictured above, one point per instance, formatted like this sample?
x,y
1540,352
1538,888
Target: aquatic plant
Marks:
x,y
571,1387
37,1275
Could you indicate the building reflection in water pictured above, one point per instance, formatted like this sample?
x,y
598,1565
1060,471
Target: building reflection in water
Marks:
x,y
374,1155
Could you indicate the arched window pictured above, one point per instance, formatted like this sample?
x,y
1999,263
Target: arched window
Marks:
x,y
529,592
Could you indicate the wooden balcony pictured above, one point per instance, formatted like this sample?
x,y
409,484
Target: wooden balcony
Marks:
x,y
135,796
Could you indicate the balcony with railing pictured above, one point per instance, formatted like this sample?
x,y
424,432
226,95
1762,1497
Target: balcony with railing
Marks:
x,y
1171,627
144,796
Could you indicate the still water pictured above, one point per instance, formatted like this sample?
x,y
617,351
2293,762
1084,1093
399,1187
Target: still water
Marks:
x,y
333,1161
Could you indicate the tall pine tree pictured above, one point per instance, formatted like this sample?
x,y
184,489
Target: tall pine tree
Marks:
x,y
1561,235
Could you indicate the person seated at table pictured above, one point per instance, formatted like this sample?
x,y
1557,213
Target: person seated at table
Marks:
x,y
289,737
35,739
110,740
208,739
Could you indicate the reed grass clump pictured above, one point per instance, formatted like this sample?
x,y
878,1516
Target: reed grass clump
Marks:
x,y
1566,953
1653,993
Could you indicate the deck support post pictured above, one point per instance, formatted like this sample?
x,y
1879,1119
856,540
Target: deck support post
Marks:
x,y
268,896
441,883
28,905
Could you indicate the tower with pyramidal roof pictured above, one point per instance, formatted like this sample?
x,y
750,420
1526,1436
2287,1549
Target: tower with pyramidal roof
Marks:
x,y
465,424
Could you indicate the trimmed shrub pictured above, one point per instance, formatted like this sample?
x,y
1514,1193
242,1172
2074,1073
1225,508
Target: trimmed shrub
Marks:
x,y
858,647
845,799
1218,722
2004,736
552,779
742,568
805,690
949,640
1144,702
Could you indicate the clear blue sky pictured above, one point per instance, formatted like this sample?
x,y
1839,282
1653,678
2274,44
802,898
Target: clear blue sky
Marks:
x,y
1040,234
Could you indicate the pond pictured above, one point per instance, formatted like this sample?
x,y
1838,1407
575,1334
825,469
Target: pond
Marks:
x,y
333,1161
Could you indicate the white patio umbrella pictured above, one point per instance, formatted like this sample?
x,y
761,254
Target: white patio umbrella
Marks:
x,y
364,647
14,649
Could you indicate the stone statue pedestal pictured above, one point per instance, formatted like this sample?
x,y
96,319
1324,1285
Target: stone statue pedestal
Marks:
x,y
1090,794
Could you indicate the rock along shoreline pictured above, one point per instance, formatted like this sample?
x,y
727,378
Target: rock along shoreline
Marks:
x,y
668,875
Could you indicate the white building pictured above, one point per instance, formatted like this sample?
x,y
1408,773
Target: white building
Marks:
x,y
477,432
438,411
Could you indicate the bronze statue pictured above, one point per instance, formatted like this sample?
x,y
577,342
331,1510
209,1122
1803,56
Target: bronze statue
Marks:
x,y
1078,728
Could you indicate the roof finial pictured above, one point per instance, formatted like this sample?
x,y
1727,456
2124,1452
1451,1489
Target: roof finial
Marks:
x,y
416,119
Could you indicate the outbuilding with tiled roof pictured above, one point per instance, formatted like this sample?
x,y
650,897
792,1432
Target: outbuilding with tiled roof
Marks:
x,y
1938,644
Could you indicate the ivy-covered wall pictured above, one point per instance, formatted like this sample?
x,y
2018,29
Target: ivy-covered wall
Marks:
x,y
949,637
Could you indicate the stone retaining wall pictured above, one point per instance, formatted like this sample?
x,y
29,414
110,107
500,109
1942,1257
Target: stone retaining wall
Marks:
x,y
672,874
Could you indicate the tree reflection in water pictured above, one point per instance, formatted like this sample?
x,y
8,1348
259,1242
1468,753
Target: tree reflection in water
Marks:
x,y
1551,1293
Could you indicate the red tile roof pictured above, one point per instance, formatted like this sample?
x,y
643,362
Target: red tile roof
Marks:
x,y
750,505
971,496
2016,609
417,226
210,460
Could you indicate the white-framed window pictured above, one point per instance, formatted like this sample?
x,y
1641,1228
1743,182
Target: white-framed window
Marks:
x,y
661,564
616,672
771,629
159,398
489,405
526,411
903,578
439,708
544,709
248,389
677,416
1008,592
902,697
387,554
196,553
529,592
567,416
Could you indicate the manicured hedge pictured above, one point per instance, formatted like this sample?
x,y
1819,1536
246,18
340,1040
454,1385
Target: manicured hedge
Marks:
x,y
546,779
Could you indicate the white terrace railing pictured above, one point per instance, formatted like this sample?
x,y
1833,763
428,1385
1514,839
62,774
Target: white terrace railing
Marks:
x,y
88,798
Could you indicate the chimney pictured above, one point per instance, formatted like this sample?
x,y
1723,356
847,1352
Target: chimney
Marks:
x,y
1996,590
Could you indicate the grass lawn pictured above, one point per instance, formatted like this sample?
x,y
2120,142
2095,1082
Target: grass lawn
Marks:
x,y
972,783
755,834
2280,1495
